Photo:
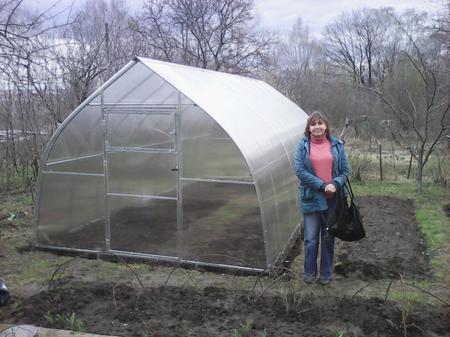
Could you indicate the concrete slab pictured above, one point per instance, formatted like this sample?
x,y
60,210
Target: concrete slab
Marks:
x,y
19,331
32,331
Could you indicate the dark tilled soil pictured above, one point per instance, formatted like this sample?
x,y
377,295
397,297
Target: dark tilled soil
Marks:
x,y
122,310
393,245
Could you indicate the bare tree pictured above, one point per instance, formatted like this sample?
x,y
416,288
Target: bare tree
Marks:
x,y
25,39
402,62
208,34
417,95
96,46
362,45
293,63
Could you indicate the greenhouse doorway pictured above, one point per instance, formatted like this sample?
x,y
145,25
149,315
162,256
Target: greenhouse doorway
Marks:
x,y
142,179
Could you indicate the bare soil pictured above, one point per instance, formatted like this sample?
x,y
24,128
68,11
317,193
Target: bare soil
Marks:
x,y
173,311
214,304
394,244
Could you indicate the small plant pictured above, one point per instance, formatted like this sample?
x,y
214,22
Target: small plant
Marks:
x,y
50,318
409,306
70,322
236,333
291,294
439,175
263,333
243,330
340,333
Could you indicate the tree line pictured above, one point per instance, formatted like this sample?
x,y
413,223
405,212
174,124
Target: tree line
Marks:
x,y
387,73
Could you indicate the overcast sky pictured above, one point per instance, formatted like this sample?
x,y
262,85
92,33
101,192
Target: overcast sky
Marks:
x,y
280,15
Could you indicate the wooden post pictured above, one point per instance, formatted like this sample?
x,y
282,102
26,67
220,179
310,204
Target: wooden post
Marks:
x,y
393,162
381,160
409,167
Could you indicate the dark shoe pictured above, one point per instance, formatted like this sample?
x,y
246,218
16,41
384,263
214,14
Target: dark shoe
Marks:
x,y
324,282
309,279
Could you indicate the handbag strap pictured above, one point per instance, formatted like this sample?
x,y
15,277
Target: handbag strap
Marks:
x,y
349,188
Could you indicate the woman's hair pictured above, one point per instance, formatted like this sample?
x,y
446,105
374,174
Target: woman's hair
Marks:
x,y
314,117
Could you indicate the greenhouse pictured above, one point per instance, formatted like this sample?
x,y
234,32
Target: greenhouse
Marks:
x,y
174,163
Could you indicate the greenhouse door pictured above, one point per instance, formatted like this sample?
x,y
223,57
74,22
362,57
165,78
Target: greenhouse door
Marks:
x,y
142,180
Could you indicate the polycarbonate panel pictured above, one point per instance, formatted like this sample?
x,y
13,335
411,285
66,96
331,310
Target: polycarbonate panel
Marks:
x,y
143,225
222,224
288,206
208,151
279,205
142,173
82,136
71,211
91,164
150,131
140,85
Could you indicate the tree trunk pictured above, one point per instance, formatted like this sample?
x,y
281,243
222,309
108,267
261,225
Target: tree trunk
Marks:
x,y
419,175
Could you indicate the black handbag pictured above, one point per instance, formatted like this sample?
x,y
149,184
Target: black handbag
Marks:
x,y
346,224
4,293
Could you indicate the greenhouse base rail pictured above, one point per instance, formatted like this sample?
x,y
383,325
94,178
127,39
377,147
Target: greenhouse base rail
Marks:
x,y
152,257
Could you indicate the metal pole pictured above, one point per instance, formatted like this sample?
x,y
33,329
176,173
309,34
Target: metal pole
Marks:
x,y
105,170
381,160
179,153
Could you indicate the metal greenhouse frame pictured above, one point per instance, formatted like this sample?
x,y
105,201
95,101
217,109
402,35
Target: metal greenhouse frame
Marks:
x,y
174,163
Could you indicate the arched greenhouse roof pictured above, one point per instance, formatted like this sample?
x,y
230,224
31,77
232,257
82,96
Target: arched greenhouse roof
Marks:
x,y
257,117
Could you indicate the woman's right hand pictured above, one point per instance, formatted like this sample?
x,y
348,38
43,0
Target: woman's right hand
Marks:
x,y
330,189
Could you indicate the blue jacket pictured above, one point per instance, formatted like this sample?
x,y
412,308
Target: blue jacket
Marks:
x,y
312,188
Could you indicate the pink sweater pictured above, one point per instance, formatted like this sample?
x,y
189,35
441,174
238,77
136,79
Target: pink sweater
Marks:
x,y
321,158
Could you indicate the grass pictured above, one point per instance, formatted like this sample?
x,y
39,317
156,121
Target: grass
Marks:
x,y
17,203
36,268
430,216
16,210
395,162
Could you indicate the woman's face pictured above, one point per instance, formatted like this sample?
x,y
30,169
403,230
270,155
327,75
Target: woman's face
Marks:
x,y
317,128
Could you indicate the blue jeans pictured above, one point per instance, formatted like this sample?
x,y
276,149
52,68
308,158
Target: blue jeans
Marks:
x,y
315,223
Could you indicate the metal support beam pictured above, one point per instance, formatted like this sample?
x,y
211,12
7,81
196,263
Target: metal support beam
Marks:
x,y
179,153
105,169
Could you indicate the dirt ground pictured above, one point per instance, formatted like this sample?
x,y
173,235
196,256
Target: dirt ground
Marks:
x,y
393,246
168,301
174,311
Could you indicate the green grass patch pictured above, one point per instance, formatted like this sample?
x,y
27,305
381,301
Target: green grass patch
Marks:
x,y
19,201
37,268
16,210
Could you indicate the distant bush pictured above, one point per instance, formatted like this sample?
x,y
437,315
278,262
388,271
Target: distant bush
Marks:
x,y
360,164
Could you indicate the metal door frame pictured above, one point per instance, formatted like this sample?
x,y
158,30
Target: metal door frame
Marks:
x,y
145,109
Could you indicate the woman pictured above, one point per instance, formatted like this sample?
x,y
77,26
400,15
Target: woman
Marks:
x,y
321,164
